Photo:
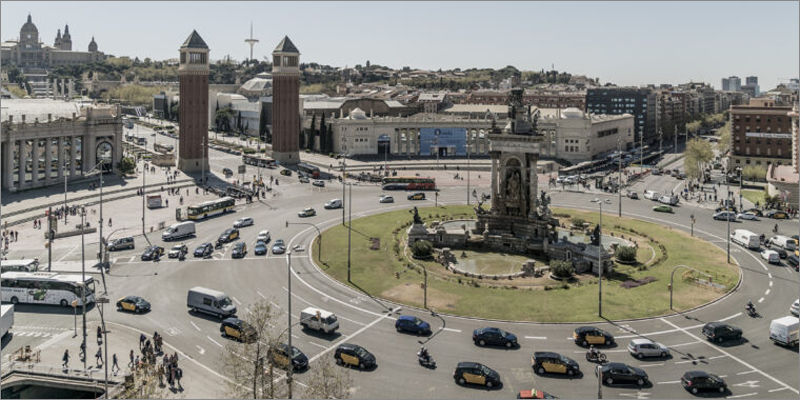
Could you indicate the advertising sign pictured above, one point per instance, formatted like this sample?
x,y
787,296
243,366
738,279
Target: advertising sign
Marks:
x,y
447,141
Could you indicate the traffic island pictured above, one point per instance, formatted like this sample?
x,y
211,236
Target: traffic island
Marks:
x,y
636,290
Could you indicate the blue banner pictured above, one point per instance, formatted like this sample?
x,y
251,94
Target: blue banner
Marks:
x,y
454,140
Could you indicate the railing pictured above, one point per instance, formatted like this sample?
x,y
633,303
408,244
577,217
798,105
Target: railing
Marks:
x,y
91,376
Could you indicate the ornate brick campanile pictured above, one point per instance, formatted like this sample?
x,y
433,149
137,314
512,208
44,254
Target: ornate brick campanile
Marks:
x,y
193,116
286,103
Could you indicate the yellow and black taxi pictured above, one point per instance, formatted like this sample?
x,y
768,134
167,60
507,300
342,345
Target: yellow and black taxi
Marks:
x,y
239,250
152,253
229,235
204,250
279,355
775,214
134,304
476,374
550,362
534,394
416,196
237,329
354,355
586,335
286,172
307,212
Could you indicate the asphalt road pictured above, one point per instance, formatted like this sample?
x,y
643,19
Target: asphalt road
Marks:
x,y
753,368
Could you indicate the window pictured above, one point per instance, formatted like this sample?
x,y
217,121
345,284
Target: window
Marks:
x,y
183,58
276,60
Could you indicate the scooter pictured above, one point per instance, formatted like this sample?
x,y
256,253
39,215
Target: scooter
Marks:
x,y
427,362
751,311
598,358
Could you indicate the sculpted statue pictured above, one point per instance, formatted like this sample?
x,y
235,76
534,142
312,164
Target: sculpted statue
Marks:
x,y
512,188
595,236
417,219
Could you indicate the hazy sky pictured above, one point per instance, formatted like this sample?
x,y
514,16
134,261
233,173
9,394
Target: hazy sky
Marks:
x,y
628,43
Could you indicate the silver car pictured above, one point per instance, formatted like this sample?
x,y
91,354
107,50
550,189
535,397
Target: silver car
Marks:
x,y
641,348
242,222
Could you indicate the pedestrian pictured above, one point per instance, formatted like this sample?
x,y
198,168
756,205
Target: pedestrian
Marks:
x,y
131,364
82,354
178,376
146,345
65,359
137,363
109,222
99,356
166,201
99,335
114,364
142,338
160,372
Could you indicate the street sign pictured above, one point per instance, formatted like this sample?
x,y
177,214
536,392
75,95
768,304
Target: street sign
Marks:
x,y
102,300
242,169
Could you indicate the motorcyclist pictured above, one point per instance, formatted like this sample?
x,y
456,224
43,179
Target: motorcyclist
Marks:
x,y
751,307
423,353
593,352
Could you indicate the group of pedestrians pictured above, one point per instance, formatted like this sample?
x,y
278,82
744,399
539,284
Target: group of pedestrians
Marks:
x,y
98,356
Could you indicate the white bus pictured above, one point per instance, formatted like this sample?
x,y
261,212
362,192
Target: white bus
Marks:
x,y
211,208
20,265
45,288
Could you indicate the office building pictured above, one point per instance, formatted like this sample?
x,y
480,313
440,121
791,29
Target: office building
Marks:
x,y
639,102
761,134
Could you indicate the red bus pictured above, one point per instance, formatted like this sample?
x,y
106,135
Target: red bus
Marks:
x,y
308,169
409,183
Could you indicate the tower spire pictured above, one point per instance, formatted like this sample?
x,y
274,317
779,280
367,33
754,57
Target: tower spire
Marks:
x,y
251,41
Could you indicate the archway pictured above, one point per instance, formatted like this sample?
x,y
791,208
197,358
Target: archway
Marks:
x,y
104,153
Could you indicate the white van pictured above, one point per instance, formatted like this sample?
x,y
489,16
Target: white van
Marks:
x,y
651,195
670,200
333,204
179,230
210,301
319,320
746,238
20,265
785,331
783,242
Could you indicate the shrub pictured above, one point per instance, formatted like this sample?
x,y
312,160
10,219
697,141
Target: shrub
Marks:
x,y
577,222
561,269
248,150
626,254
422,249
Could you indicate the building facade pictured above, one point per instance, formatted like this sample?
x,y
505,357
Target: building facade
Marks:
x,y
761,134
639,102
193,73
732,83
286,102
575,136
783,180
45,140
29,52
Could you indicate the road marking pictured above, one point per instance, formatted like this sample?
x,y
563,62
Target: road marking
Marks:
x,y
767,292
722,320
452,330
683,344
213,341
770,276
716,357
776,390
743,395
132,258
236,300
200,349
247,310
195,326
760,300
750,384
354,334
688,361
318,345
295,336
262,296
275,305
740,361
746,372
770,283
650,365
173,331
536,337
667,382
70,252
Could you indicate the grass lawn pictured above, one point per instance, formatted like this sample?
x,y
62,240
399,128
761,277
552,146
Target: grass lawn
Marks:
x,y
754,196
374,271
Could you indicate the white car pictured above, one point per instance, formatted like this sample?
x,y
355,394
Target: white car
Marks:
x,y
669,200
795,308
747,216
242,222
641,348
725,215
651,195
318,183
386,199
263,236
560,179
771,256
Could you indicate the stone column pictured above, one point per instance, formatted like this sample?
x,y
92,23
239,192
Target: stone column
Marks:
x,y
35,163
493,155
408,141
60,158
8,164
22,161
117,151
73,157
89,152
48,160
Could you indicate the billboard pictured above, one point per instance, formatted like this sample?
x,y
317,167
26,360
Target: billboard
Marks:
x,y
449,141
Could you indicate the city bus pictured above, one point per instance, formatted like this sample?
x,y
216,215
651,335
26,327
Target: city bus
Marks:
x,y
45,288
259,161
210,208
308,169
408,183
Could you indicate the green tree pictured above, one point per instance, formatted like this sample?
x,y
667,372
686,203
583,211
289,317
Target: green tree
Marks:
x,y
127,165
422,249
239,121
313,133
222,119
323,136
329,381
174,111
262,122
561,269
626,254
724,143
698,153
754,173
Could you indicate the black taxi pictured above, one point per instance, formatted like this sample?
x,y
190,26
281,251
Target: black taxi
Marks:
x,y
279,355
354,355
589,335
476,373
548,361
237,329
135,304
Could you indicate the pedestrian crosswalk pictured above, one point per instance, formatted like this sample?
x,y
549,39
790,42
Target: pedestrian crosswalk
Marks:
x,y
37,331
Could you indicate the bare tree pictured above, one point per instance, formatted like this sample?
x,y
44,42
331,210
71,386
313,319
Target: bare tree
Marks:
x,y
245,361
143,384
328,381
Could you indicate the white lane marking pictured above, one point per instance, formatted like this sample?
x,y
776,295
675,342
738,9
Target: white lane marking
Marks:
x,y
767,292
776,390
743,395
687,361
716,357
770,283
354,334
769,274
295,336
746,372
236,300
536,337
275,305
740,361
760,300
318,345
683,344
70,252
213,341
246,310
262,296
200,349
722,320
132,258
195,326
667,382
452,330
650,365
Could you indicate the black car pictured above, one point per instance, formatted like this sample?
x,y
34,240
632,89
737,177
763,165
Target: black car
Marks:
x,y
204,250
409,323
494,337
235,328
239,250
623,373
793,261
135,304
152,252
476,373
696,381
279,355
720,331
354,356
548,361
229,235
589,335
782,254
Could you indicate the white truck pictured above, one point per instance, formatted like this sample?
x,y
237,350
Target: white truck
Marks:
x,y
746,238
179,230
785,331
7,319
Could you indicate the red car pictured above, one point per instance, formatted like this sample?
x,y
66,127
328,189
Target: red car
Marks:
x,y
534,394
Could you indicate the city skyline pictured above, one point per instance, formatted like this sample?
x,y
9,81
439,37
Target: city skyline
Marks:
x,y
529,36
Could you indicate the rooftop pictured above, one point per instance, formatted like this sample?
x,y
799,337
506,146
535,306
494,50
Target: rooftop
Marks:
x,y
194,41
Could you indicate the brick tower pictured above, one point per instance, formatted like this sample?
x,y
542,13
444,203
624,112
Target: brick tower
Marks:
x,y
286,103
193,117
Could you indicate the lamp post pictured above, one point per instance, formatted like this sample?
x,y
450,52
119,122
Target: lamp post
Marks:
x,y
289,316
349,231
468,150
100,226
83,284
66,211
101,301
693,221
144,195
319,244
344,177
600,257
727,202
619,170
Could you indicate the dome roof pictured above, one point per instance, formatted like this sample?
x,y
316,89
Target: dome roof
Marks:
x,y
572,112
29,26
358,113
261,82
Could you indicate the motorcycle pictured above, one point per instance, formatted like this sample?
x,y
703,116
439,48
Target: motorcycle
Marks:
x,y
598,357
427,362
751,311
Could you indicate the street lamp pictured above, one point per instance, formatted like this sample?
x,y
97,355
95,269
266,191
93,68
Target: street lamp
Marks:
x,y
344,178
83,283
727,204
100,230
693,221
600,257
101,301
289,316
